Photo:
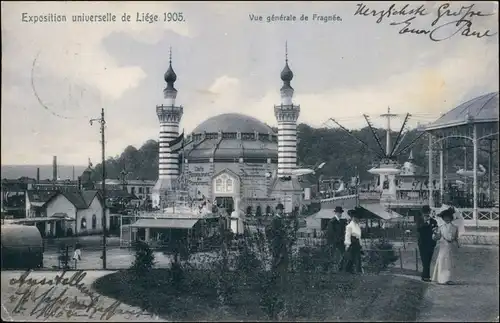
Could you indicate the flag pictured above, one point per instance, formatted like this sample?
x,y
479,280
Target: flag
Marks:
x,y
176,144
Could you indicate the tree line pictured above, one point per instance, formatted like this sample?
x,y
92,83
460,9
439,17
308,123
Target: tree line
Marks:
x,y
344,155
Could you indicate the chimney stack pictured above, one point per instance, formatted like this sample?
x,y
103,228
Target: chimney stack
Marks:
x,y
54,169
38,175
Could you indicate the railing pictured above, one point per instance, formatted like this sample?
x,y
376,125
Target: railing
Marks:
x,y
485,217
405,201
338,198
175,212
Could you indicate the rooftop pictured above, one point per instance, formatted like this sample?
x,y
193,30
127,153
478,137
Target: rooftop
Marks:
x,y
481,109
233,122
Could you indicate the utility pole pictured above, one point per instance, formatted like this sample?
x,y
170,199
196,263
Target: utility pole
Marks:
x,y
102,121
357,185
388,115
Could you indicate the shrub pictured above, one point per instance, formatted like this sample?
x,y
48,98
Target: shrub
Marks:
x,y
247,261
313,258
271,301
381,255
144,258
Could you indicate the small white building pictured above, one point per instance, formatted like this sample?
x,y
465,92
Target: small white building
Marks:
x,y
58,213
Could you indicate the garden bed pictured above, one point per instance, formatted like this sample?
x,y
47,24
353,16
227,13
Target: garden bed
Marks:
x,y
311,296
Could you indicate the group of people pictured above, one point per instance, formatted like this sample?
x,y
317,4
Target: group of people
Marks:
x,y
343,235
429,233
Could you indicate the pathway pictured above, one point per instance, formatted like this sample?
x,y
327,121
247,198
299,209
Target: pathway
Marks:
x,y
474,297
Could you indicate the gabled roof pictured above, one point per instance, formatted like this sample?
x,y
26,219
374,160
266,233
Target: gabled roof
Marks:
x,y
41,196
228,171
76,198
80,199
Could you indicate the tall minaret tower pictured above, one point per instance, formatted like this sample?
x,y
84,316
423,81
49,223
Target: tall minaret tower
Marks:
x,y
169,116
287,114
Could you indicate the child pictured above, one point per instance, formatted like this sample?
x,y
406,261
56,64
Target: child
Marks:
x,y
78,253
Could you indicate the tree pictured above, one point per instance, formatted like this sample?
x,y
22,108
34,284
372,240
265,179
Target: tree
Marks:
x,y
180,249
341,152
144,258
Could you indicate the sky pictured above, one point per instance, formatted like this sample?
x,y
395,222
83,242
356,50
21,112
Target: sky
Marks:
x,y
57,76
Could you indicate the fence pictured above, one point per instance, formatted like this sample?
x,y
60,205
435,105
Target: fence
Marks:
x,y
402,236
375,259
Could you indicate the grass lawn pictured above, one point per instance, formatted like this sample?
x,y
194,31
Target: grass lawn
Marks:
x,y
318,296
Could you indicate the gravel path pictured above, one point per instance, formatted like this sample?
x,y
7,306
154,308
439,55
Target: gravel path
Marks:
x,y
474,297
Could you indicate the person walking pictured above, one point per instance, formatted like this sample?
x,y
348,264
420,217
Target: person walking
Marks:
x,y
352,242
447,234
335,236
77,255
426,244
277,236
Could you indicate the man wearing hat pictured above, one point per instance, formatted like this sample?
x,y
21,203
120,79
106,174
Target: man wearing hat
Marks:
x,y
277,235
335,233
352,242
426,245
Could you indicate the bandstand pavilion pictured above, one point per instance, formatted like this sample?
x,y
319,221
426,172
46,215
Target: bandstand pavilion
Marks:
x,y
473,124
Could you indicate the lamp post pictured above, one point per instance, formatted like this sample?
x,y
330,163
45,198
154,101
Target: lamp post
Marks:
x,y
102,122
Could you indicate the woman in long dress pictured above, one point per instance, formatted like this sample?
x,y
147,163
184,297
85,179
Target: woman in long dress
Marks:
x,y
447,235
351,261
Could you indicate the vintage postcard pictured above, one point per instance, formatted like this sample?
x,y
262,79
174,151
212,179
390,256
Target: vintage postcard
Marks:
x,y
249,161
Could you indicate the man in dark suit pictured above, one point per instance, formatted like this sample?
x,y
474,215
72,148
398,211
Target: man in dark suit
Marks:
x,y
335,235
277,236
426,245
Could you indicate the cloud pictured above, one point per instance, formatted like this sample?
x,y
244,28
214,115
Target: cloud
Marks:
x,y
434,85
225,64
431,89
74,50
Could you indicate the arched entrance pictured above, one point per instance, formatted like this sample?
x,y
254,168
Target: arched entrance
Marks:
x,y
226,190
225,202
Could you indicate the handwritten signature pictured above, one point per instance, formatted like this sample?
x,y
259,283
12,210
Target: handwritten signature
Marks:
x,y
55,302
463,25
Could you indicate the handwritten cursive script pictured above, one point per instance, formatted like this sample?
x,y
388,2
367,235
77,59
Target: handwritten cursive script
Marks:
x,y
441,30
57,302
363,10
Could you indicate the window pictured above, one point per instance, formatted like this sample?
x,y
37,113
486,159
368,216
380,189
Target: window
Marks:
x,y
147,190
133,190
218,185
224,184
83,224
94,221
229,185
140,190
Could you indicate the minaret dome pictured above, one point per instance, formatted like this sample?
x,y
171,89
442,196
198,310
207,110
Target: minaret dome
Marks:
x,y
170,76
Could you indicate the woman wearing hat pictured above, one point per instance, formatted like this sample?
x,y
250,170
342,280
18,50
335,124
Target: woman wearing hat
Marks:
x,y
447,235
352,242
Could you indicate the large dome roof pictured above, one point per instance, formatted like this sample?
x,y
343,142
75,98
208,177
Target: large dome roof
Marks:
x,y
231,146
232,122
478,110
